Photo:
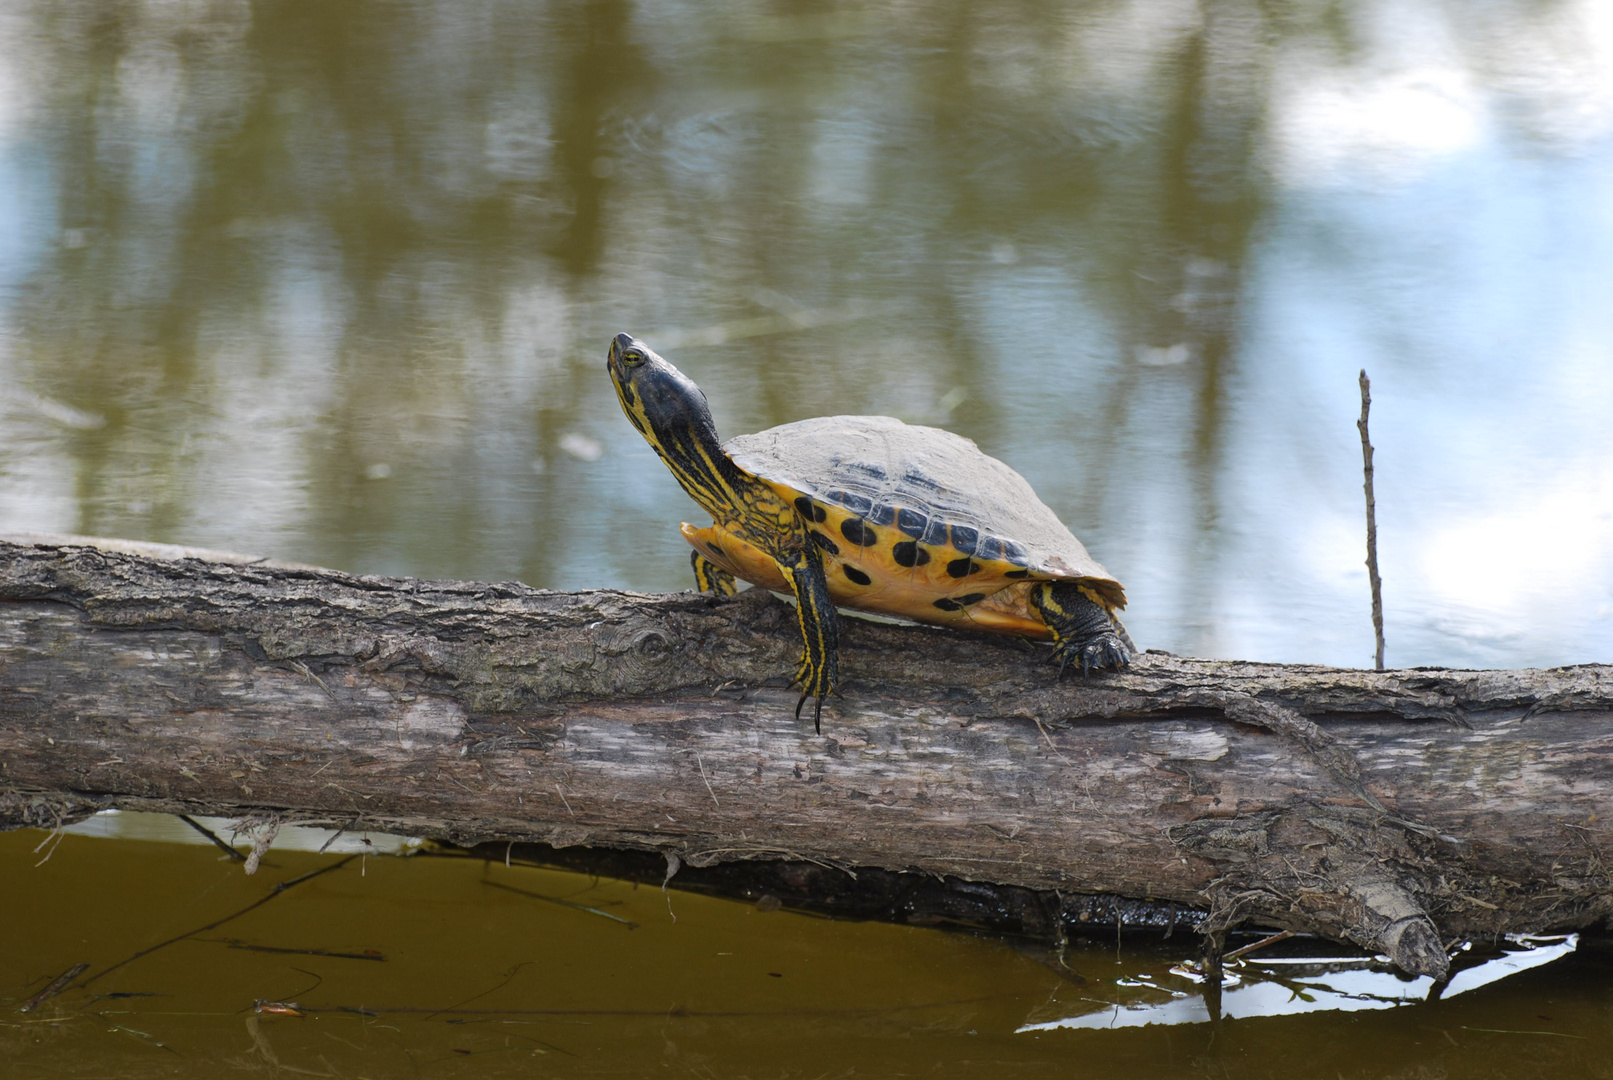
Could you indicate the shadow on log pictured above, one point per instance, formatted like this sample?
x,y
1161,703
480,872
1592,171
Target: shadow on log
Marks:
x,y
1399,810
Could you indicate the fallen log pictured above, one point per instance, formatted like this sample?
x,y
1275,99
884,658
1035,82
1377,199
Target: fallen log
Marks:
x,y
1399,810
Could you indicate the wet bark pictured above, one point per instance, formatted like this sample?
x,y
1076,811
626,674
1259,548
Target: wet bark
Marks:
x,y
1399,810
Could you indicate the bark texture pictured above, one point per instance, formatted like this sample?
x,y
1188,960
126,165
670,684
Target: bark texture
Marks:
x,y
1399,810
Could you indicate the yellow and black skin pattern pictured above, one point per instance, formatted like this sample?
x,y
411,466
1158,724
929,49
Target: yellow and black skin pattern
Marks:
x,y
1083,628
671,413
778,531
711,578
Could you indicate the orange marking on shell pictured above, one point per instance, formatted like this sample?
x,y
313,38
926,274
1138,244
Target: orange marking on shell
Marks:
x,y
898,590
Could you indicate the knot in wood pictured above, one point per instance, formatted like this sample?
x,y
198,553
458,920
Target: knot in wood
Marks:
x,y
641,639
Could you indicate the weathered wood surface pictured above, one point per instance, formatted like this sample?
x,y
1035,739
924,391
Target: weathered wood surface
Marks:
x,y
1397,809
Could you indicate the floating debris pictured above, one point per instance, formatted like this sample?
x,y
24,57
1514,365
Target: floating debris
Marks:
x,y
57,985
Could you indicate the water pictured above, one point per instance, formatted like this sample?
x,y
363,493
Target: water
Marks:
x,y
334,283
434,966
336,286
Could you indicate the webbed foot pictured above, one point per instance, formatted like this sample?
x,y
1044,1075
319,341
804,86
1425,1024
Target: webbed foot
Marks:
x,y
1094,654
1084,631
711,578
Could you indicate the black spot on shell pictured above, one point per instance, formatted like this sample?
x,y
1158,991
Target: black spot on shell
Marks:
x,y
908,553
965,539
948,605
854,530
857,504
912,523
989,548
717,551
962,567
969,598
824,542
1022,572
810,510
857,575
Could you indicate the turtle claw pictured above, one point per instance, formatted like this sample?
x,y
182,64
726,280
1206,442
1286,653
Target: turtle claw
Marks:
x,y
1106,650
817,711
814,685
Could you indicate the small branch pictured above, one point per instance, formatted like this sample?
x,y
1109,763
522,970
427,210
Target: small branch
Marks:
x,y
1372,518
279,888
1281,935
211,835
57,985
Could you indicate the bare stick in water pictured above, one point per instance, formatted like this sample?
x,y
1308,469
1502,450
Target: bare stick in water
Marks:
x,y
1372,518
60,983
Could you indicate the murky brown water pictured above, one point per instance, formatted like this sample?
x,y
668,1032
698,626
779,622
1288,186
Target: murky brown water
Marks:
x,y
454,967
333,282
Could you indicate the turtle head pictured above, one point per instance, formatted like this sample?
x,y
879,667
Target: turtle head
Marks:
x,y
656,396
671,413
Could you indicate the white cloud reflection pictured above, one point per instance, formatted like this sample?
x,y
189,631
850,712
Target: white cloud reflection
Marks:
x,y
404,277
1292,986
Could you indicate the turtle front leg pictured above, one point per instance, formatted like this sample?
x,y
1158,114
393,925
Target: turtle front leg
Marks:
x,y
1083,629
709,577
819,669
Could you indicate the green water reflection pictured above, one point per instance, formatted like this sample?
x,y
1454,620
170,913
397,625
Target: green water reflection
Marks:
x,y
333,282
455,967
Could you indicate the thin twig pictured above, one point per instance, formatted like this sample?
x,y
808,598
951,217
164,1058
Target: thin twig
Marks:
x,y
1372,518
629,923
707,779
56,835
213,836
1049,738
334,836
1281,935
237,944
748,852
276,891
57,985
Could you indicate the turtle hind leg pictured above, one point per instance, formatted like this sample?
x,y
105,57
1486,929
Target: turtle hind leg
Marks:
x,y
819,670
1083,629
709,577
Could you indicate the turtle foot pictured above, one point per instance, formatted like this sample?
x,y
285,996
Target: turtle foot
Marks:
x,y
1084,631
711,578
816,682
1106,650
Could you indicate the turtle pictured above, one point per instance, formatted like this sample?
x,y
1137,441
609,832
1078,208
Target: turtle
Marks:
x,y
872,514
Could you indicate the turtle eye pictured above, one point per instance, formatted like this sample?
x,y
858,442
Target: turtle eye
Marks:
x,y
632,358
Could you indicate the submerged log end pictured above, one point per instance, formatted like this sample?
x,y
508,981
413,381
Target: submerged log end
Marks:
x,y
1390,919
1414,945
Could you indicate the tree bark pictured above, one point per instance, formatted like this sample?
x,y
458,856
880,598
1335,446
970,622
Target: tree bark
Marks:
x,y
1398,810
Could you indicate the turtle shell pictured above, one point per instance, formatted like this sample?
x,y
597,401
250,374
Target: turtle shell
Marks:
x,y
913,521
